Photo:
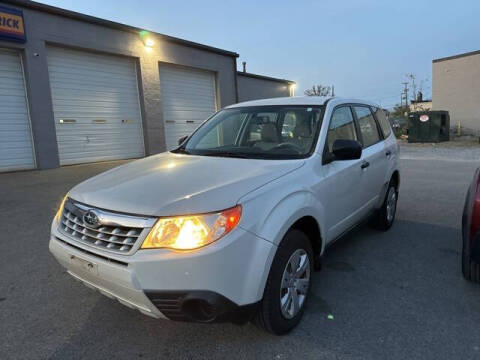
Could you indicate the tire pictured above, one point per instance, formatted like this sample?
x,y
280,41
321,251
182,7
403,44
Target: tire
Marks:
x,y
270,315
470,269
384,219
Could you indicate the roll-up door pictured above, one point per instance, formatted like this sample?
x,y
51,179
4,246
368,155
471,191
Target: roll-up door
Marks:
x,y
16,149
96,106
188,98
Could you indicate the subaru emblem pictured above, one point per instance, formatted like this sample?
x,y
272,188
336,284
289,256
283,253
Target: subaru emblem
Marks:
x,y
90,218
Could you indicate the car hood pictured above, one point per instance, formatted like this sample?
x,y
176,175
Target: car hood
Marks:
x,y
173,184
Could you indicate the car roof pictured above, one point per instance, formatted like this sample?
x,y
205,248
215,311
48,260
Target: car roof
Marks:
x,y
300,100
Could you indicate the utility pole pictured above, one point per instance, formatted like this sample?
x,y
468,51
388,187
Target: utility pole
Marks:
x,y
405,92
414,88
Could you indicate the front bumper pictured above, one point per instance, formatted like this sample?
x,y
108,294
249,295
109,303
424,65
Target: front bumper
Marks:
x,y
226,277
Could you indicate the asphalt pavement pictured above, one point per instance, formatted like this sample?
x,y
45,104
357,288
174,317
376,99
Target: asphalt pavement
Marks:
x,y
393,295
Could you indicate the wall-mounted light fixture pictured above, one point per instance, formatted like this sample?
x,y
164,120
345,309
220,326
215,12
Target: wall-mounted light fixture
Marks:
x,y
292,87
147,39
149,43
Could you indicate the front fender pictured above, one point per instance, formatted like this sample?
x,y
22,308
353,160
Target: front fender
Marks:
x,y
271,214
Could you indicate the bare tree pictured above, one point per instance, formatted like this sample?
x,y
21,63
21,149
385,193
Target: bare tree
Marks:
x,y
399,110
319,90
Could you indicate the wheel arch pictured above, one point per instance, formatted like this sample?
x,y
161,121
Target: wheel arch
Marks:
x,y
310,227
396,178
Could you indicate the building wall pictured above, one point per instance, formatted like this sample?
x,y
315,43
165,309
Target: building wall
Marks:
x,y
456,88
251,88
44,28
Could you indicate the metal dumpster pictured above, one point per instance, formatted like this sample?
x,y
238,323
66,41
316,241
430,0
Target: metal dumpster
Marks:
x,y
429,126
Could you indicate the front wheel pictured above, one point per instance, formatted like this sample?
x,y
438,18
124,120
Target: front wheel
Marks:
x,y
386,215
288,283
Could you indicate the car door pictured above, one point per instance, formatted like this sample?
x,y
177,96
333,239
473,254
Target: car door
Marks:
x,y
373,161
391,146
339,188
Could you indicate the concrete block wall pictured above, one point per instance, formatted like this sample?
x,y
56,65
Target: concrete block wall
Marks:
x,y
253,87
45,28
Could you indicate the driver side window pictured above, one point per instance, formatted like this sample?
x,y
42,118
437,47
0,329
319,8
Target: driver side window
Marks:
x,y
342,126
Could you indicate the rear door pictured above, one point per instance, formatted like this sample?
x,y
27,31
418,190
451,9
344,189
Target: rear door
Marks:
x,y
374,160
391,146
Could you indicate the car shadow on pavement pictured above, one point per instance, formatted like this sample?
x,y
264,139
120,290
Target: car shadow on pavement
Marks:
x,y
396,294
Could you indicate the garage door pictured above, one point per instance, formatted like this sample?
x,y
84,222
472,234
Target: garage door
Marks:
x,y
188,98
16,150
96,106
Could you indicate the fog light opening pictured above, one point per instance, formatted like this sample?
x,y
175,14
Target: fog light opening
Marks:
x,y
199,310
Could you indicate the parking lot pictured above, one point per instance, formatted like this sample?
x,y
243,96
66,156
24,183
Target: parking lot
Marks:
x,y
395,295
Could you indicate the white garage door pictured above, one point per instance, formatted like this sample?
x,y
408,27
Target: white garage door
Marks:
x,y
96,106
16,150
188,98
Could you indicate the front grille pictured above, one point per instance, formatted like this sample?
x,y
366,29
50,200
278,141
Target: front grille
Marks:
x,y
116,232
117,238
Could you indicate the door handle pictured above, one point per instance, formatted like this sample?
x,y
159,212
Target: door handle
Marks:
x,y
365,165
388,153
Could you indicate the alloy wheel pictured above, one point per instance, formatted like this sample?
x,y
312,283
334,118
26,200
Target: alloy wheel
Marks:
x,y
391,204
295,284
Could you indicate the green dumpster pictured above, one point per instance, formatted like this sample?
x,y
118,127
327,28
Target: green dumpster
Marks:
x,y
429,126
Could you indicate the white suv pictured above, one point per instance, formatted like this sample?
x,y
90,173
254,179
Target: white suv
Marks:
x,y
231,224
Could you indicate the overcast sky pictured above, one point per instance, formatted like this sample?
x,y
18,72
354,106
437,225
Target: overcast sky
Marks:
x,y
364,48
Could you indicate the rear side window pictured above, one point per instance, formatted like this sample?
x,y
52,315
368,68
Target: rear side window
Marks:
x,y
341,126
368,126
384,123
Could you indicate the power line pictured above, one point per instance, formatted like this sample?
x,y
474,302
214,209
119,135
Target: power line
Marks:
x,y
376,95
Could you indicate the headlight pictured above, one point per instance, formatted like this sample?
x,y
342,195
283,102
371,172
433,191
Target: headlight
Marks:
x,y
60,209
192,232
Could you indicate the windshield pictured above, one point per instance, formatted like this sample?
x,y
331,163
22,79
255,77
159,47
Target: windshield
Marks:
x,y
265,132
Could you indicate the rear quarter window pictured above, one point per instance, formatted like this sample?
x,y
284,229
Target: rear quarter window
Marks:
x,y
368,125
383,121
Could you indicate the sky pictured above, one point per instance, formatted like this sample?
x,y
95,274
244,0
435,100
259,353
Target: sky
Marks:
x,y
364,48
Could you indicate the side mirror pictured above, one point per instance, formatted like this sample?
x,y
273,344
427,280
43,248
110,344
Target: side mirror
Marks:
x,y
182,139
343,149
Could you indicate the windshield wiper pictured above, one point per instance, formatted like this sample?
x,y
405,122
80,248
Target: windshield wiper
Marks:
x,y
228,154
180,150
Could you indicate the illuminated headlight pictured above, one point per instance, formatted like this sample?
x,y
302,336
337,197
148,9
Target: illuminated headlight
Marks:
x,y
193,231
60,209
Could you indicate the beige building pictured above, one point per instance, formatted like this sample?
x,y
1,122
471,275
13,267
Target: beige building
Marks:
x,y
420,105
456,88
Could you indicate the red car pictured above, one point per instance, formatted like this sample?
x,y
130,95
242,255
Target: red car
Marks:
x,y
471,231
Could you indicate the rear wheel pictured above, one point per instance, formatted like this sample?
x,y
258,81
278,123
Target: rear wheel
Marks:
x,y
386,215
287,286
